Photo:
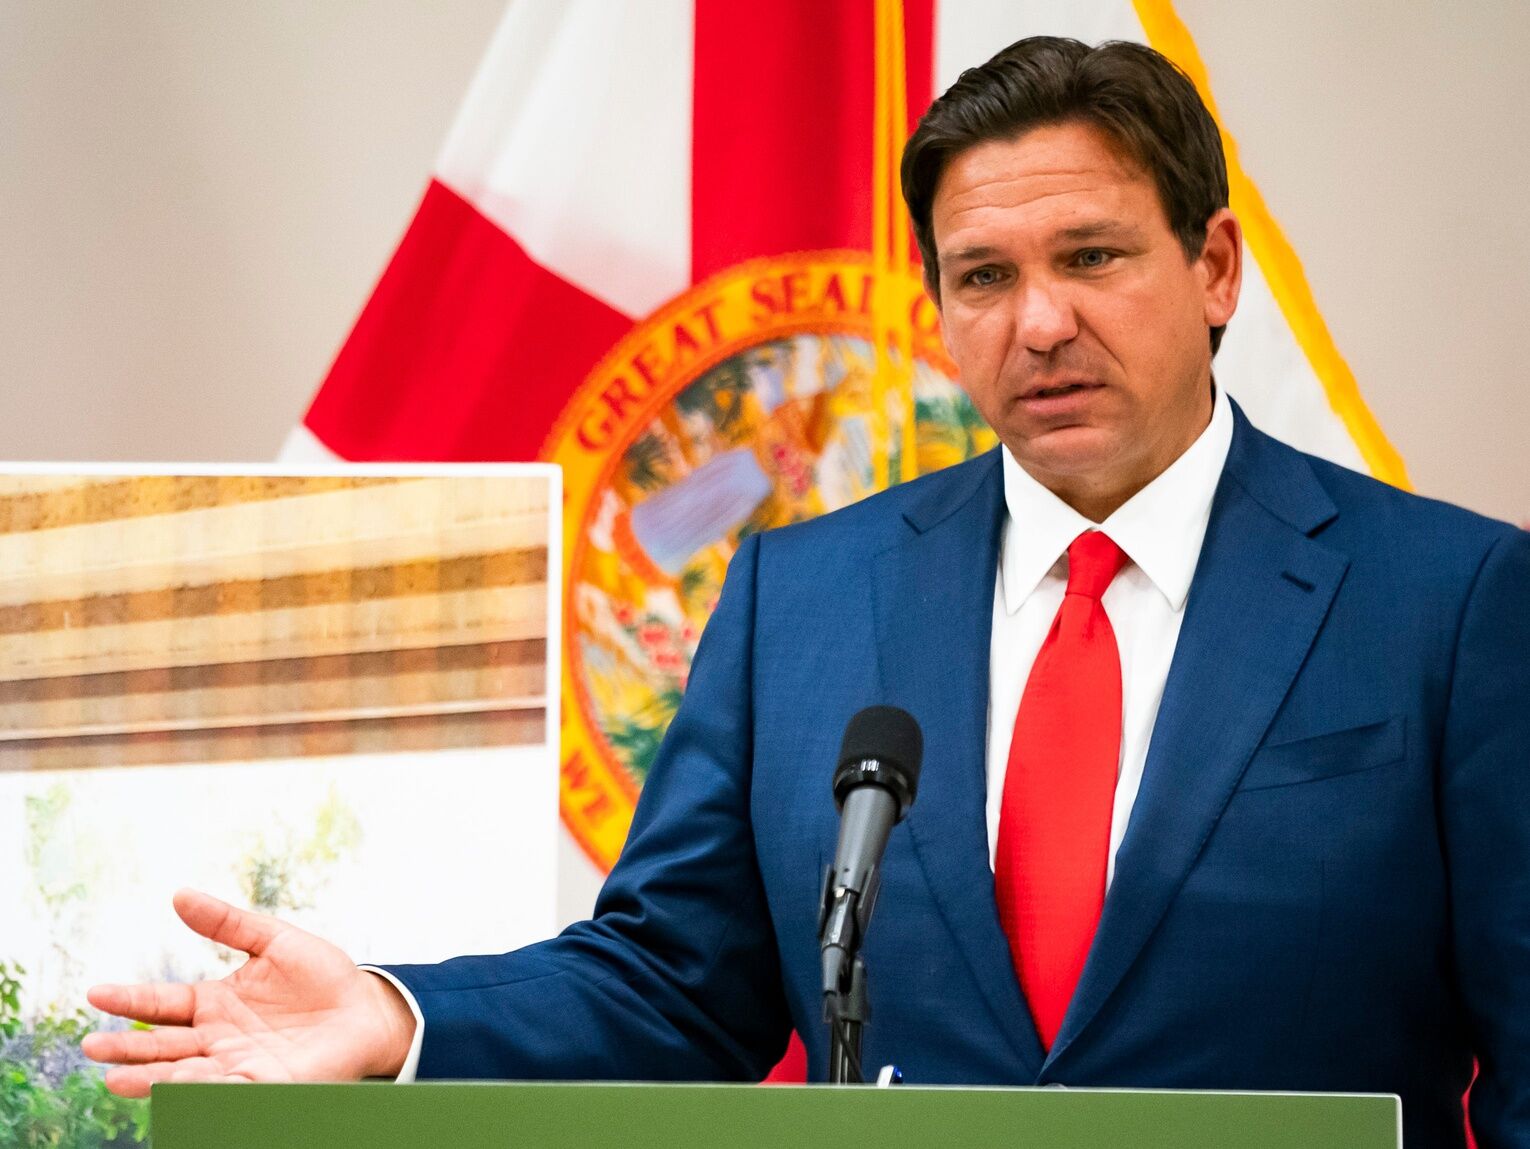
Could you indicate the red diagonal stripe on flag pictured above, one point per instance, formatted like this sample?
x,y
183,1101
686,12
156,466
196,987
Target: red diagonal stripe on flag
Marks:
x,y
467,351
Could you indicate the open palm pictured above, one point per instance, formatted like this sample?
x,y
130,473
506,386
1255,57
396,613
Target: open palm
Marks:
x,y
297,1010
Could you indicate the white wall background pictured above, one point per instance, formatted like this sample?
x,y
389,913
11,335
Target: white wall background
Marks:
x,y
129,838
196,197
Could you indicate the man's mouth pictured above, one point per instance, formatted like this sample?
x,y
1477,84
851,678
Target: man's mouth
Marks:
x,y
1057,389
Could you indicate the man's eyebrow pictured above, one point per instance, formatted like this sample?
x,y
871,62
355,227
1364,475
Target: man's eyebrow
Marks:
x,y
1101,229
968,255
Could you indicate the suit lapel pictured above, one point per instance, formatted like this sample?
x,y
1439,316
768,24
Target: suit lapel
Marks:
x,y
934,612
1261,591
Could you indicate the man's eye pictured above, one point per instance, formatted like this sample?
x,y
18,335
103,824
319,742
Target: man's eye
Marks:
x,y
1093,257
983,277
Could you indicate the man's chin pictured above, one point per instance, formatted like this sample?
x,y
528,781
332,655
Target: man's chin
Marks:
x,y
1069,453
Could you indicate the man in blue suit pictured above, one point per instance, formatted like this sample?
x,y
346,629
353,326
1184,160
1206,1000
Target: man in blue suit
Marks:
x,y
1314,845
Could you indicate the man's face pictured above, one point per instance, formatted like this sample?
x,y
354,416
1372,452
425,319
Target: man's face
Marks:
x,y
1078,324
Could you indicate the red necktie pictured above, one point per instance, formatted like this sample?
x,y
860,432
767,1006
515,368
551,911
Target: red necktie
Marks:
x,y
1059,788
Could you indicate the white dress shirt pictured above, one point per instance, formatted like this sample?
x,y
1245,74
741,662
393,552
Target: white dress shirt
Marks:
x,y
1161,529
411,1067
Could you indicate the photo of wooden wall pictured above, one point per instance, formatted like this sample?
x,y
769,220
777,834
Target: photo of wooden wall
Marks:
x,y
158,619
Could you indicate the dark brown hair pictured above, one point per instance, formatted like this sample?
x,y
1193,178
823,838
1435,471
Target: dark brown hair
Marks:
x,y
1137,95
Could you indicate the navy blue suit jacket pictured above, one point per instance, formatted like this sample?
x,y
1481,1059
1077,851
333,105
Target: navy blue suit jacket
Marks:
x,y
1325,883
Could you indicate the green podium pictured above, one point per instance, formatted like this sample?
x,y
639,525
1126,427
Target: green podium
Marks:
x,y
480,1116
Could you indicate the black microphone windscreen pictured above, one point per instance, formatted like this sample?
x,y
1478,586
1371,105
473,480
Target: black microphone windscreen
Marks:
x,y
888,735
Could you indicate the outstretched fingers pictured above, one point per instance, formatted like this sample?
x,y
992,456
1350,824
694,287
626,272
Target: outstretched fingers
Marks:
x,y
242,930
162,1004
136,1080
141,1047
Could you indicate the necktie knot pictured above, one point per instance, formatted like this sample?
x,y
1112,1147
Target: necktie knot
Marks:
x,y
1093,561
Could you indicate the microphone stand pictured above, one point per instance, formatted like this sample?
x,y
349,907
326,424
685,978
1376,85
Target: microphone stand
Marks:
x,y
846,1014
846,1004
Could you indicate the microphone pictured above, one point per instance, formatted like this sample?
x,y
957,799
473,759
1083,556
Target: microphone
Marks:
x,y
874,785
875,781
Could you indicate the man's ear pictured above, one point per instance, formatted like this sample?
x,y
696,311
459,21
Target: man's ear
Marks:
x,y
1221,265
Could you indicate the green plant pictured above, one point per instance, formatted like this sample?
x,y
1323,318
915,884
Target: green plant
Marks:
x,y
50,1097
281,873
10,999
78,1113
63,867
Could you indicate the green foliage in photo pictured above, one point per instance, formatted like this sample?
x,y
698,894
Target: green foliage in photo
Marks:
x,y
51,1097
283,872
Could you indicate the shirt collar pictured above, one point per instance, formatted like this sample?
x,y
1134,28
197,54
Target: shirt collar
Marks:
x,y
1161,527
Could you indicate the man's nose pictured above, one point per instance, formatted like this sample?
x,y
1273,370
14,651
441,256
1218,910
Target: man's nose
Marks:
x,y
1044,316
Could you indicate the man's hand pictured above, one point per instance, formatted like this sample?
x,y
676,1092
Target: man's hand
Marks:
x,y
297,1010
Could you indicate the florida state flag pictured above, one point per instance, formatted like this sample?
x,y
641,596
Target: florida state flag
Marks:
x,y
663,246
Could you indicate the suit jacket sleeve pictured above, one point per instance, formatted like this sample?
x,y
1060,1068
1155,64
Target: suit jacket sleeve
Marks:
x,y
677,975
1485,799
